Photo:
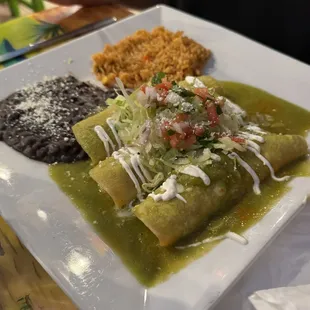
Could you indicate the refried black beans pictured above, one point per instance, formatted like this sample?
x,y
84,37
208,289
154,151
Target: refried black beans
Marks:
x,y
37,120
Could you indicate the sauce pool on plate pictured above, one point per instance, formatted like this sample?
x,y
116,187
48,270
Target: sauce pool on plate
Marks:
x,y
135,243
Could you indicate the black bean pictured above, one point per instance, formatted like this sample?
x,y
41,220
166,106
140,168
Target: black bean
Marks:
x,y
2,125
24,133
33,139
14,116
53,149
40,153
29,140
13,141
77,119
65,147
66,158
6,135
28,151
36,145
81,155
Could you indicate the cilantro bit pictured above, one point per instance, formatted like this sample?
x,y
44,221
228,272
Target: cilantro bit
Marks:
x,y
206,143
157,78
219,110
170,132
183,92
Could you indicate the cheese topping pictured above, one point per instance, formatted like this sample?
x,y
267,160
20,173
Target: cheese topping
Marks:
x,y
194,81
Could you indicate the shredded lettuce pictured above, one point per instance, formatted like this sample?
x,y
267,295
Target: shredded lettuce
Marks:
x,y
140,119
157,180
123,90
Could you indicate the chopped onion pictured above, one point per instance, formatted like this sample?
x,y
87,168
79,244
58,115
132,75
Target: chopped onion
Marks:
x,y
177,127
230,144
182,161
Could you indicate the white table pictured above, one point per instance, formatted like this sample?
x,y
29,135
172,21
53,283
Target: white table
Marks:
x,y
286,262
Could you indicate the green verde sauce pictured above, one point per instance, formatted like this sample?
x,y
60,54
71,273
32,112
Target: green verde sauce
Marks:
x,y
136,245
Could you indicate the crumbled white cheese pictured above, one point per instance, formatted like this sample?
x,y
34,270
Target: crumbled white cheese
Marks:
x,y
186,107
194,81
174,98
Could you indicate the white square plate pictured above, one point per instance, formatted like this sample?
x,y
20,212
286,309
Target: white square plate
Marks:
x,y
54,231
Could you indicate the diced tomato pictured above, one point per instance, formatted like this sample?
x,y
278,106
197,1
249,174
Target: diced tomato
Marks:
x,y
181,117
175,140
202,92
188,142
212,114
164,130
164,86
143,88
199,131
187,129
162,103
146,58
162,89
237,139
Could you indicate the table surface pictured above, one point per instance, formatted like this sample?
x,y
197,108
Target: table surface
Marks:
x,y
23,282
25,285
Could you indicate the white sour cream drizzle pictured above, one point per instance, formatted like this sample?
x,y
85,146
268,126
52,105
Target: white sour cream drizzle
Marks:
x,y
104,137
267,163
111,124
137,162
254,128
253,145
136,165
248,168
118,155
144,171
134,159
195,171
171,190
251,136
229,235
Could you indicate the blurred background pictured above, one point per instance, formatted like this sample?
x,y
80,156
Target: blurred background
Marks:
x,y
5,13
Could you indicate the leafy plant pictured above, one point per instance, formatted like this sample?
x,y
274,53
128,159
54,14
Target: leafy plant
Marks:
x,y
45,30
6,47
25,303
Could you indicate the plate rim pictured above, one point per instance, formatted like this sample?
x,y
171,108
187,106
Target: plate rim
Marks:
x,y
156,8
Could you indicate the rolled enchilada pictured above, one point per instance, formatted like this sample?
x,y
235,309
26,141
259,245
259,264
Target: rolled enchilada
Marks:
x,y
110,174
114,179
89,140
185,151
174,219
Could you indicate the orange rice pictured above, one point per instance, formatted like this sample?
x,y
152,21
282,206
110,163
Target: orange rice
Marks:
x,y
138,57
